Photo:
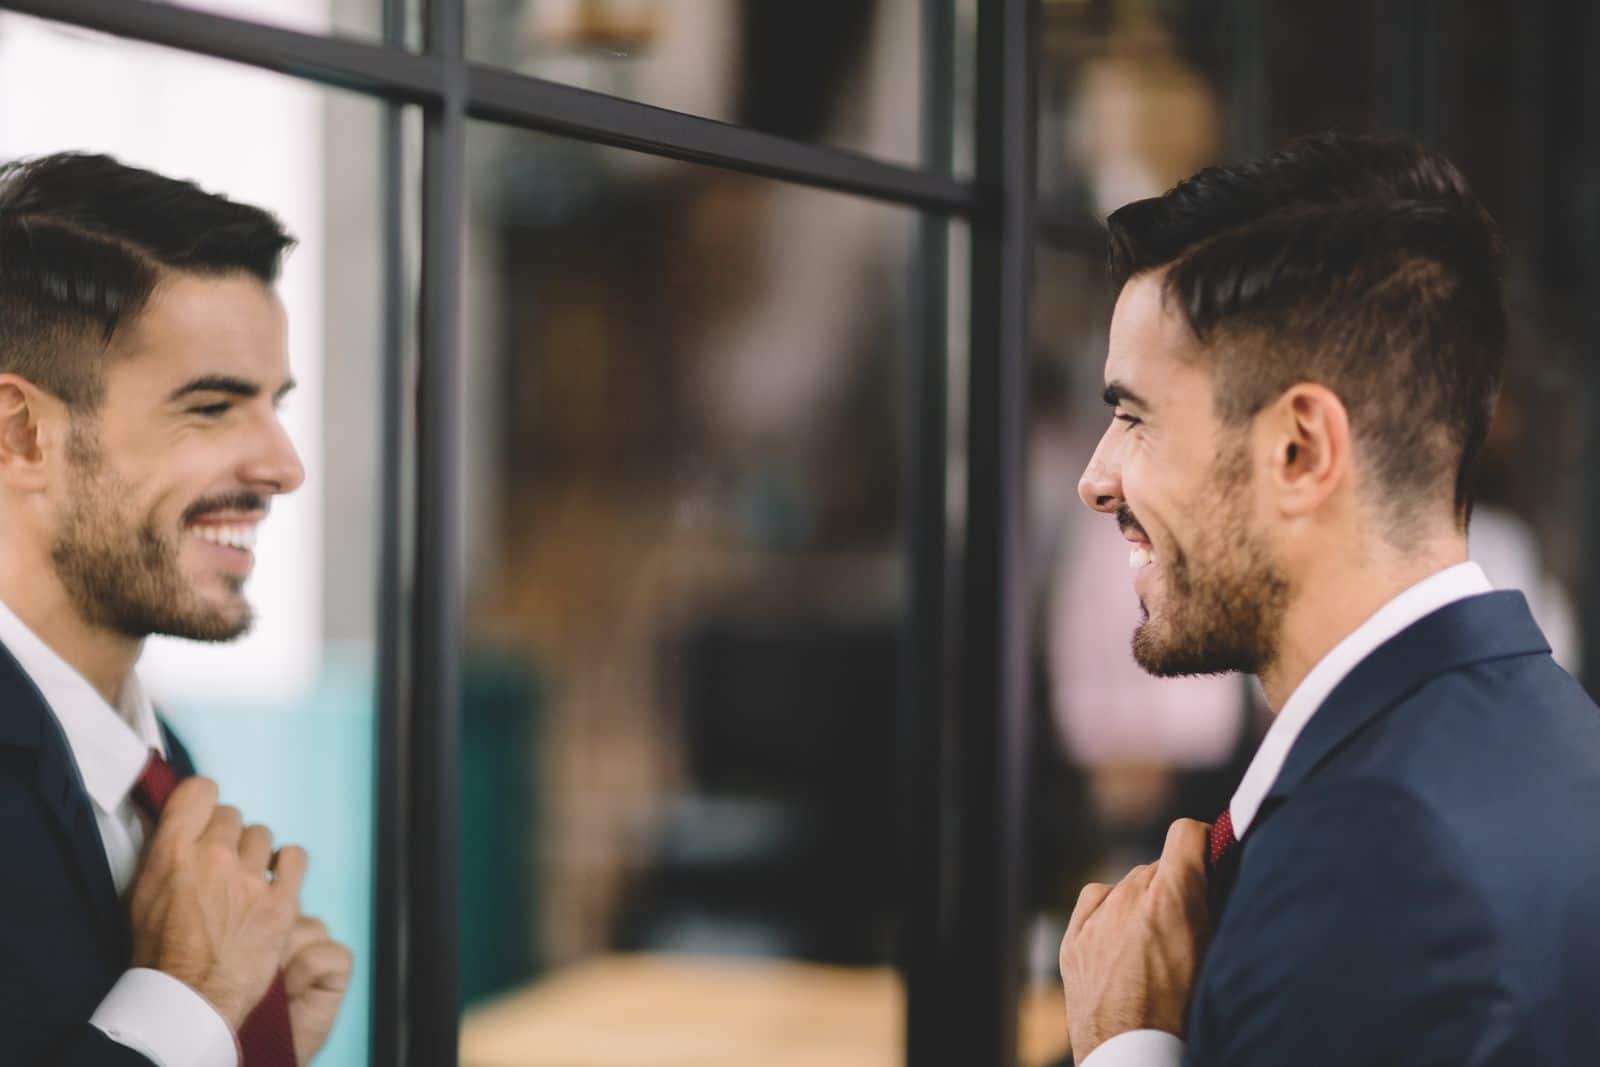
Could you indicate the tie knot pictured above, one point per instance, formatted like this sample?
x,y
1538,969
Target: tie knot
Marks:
x,y
1221,841
156,783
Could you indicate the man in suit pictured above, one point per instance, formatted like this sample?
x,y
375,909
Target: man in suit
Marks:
x,y
1303,362
143,356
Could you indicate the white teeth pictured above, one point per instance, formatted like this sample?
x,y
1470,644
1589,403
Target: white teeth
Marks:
x,y
1139,556
243,537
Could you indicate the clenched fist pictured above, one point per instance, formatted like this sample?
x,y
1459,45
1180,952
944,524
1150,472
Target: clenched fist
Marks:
x,y
204,908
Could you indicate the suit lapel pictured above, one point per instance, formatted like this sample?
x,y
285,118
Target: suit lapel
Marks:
x,y
1474,630
29,723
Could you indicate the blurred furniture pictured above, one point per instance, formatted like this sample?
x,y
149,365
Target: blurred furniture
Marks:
x,y
681,1011
783,842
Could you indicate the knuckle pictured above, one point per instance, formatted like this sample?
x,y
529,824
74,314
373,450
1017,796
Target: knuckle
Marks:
x,y
216,854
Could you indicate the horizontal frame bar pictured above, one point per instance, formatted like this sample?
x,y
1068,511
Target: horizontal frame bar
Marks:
x,y
508,98
501,96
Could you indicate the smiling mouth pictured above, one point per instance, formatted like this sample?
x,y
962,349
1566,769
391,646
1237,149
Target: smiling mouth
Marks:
x,y
232,528
1140,556
234,535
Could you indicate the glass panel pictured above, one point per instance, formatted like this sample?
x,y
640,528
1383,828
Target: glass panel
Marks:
x,y
844,72
686,590
282,718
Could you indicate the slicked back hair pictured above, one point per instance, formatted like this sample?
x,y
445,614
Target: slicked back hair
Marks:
x,y
1359,262
84,240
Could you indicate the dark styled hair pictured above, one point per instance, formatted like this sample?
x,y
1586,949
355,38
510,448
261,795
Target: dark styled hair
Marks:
x,y
1361,262
84,240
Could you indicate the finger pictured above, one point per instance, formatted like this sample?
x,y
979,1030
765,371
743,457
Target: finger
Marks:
x,y
187,811
1092,896
225,827
255,847
1138,879
306,931
1183,857
289,872
325,965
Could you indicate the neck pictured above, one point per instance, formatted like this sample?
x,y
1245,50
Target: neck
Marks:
x,y
29,587
1331,602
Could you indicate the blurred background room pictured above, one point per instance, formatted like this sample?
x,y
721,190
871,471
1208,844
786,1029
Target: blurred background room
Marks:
x,y
691,819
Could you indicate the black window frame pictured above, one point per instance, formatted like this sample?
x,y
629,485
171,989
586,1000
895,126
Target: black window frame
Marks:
x,y
963,715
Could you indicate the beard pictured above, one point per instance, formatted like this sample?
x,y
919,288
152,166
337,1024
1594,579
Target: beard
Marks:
x,y
1223,604
121,570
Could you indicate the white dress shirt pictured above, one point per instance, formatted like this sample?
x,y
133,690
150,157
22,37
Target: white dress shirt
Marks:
x,y
148,1011
1157,1048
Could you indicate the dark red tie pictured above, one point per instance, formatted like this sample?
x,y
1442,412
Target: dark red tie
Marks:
x,y
1221,842
1222,854
265,1039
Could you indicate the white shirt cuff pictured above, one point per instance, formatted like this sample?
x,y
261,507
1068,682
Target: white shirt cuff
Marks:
x,y
1137,1048
165,1021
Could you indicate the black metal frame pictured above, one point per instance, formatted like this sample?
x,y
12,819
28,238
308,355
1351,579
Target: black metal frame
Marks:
x,y
964,857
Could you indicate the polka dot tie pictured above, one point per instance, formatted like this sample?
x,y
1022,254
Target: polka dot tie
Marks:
x,y
1221,842
265,1039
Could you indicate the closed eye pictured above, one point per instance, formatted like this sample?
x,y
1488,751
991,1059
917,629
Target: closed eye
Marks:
x,y
211,410
1131,420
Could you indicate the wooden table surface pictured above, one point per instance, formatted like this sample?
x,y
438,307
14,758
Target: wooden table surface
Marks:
x,y
684,1011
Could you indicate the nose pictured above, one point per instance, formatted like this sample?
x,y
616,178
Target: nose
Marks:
x,y
274,467
1100,487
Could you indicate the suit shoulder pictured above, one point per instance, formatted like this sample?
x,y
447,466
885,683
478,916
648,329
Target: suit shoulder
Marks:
x,y
1509,719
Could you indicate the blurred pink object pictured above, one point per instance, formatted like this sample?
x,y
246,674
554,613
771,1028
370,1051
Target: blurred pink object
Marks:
x,y
1106,709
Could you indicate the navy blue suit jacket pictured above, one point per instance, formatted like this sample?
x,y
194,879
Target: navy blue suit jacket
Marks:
x,y
1422,885
64,935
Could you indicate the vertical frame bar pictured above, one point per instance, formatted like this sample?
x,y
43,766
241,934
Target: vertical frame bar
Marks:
x,y
993,725
924,713
393,749
1417,50
432,1015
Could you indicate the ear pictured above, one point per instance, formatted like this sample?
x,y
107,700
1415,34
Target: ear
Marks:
x,y
29,421
1307,440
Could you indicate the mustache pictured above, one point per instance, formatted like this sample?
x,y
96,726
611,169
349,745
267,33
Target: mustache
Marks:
x,y
1126,522
243,500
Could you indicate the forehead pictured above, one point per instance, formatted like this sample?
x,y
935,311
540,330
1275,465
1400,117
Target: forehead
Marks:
x,y
1152,350
194,325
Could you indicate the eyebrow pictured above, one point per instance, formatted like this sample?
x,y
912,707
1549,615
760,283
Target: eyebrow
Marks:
x,y
225,383
1118,394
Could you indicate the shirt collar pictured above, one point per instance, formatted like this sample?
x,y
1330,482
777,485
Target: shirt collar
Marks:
x,y
109,744
1427,596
